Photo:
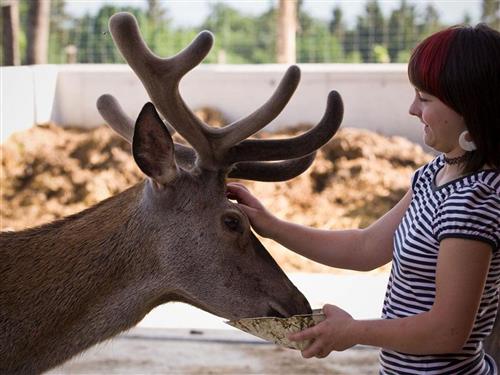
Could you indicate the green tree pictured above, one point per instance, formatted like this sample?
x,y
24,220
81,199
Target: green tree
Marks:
x,y
338,28
265,41
467,18
155,13
490,13
157,30
430,23
305,21
337,25
380,54
92,37
371,29
60,24
318,45
402,30
237,36
350,45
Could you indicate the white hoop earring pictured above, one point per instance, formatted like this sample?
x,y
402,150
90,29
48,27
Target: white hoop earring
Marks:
x,y
465,144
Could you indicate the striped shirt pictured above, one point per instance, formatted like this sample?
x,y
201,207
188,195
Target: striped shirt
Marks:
x,y
468,207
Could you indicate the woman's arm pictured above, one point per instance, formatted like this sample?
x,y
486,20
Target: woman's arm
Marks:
x,y
461,275
356,249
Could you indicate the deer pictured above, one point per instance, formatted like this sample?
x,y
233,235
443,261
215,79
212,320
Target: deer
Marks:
x,y
83,279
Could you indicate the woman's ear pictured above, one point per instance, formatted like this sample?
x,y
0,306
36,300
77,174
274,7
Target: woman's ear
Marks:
x,y
152,146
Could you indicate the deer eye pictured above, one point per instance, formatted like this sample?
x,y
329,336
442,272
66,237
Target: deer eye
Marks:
x,y
233,223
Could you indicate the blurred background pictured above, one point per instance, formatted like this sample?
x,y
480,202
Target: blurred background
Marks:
x,y
248,31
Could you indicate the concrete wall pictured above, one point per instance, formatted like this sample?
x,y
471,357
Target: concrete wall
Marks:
x,y
375,96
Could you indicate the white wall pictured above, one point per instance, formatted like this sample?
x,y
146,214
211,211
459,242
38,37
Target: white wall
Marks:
x,y
375,96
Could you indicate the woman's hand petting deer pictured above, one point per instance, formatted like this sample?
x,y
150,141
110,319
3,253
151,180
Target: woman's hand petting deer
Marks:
x,y
442,237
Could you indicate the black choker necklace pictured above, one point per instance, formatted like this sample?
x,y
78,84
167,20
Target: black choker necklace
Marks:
x,y
457,160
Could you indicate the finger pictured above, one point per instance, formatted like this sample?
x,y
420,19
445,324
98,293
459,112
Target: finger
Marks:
x,y
313,350
234,194
236,191
231,195
244,196
237,186
329,310
323,353
307,334
249,211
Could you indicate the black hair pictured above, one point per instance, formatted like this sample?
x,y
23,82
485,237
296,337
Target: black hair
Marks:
x,y
461,67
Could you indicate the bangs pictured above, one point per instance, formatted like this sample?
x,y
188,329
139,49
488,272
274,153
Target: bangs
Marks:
x,y
427,62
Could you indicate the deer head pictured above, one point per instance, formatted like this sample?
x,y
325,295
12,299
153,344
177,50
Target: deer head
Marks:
x,y
207,253
175,236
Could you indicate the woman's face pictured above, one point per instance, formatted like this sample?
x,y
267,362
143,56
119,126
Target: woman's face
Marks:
x,y
442,125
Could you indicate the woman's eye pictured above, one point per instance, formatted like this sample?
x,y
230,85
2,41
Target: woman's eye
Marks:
x,y
420,96
232,223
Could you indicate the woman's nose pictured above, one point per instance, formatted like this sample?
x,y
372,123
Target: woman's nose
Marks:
x,y
414,109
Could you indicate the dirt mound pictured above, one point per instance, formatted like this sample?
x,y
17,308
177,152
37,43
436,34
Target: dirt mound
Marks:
x,y
49,172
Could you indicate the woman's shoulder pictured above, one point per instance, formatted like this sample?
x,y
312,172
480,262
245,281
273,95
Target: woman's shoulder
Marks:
x,y
477,192
469,208
486,182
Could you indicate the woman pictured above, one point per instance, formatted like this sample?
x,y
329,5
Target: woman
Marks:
x,y
443,237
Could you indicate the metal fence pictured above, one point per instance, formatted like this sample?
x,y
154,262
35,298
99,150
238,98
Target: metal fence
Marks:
x,y
374,37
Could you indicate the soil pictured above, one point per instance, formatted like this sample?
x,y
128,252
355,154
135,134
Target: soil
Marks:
x,y
143,351
49,172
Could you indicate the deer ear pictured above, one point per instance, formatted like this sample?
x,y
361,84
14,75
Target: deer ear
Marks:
x,y
152,146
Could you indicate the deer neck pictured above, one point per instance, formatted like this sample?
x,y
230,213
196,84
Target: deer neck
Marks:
x,y
72,283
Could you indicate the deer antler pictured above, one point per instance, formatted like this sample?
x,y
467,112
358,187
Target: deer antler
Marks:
x,y
225,148
115,116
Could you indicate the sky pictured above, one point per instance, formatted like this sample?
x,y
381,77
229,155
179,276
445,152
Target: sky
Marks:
x,y
193,12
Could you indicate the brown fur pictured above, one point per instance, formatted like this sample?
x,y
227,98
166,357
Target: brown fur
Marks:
x,y
70,284
61,284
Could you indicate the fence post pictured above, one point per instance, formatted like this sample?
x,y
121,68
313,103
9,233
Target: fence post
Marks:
x,y
38,31
10,31
287,27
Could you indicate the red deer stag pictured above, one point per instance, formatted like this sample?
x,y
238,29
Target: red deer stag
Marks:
x,y
70,284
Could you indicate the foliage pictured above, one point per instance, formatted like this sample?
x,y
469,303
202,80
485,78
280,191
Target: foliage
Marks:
x,y
243,38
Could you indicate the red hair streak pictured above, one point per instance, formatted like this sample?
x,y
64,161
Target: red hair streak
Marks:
x,y
429,61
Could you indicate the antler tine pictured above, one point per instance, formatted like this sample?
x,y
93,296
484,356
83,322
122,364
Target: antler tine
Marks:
x,y
113,114
127,36
111,111
271,171
282,149
243,128
161,77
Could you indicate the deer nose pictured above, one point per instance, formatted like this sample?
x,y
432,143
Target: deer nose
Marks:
x,y
296,304
277,310
301,305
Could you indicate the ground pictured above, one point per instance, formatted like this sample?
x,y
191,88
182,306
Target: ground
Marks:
x,y
143,351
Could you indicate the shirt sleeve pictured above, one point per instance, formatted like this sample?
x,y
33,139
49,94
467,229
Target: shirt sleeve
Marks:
x,y
473,214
